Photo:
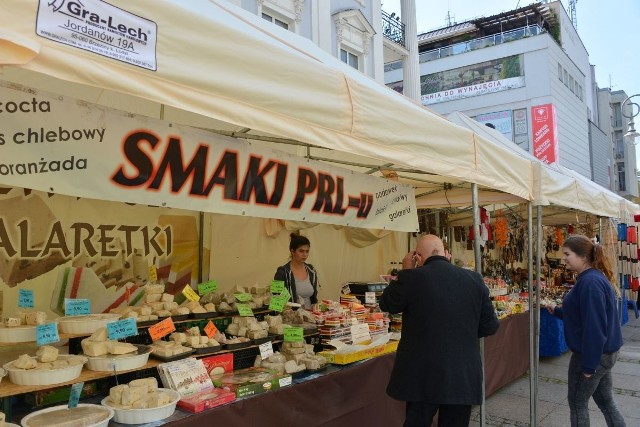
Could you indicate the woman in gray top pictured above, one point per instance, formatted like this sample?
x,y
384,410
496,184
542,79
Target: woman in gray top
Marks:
x,y
300,278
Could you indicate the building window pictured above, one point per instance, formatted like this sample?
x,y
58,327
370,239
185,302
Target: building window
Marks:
x,y
559,72
349,58
617,115
571,83
566,78
621,179
580,91
278,22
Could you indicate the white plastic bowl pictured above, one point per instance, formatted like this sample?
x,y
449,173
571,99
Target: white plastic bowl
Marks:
x,y
45,376
141,416
18,334
103,423
86,324
122,362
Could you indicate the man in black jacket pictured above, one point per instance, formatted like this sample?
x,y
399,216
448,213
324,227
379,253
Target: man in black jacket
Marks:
x,y
445,309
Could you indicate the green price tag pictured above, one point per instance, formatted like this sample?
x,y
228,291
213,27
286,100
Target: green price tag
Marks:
x,y
205,288
277,286
277,304
243,297
293,334
244,310
286,295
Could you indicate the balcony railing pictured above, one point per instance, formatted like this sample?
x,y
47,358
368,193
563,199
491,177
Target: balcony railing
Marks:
x,y
392,28
475,44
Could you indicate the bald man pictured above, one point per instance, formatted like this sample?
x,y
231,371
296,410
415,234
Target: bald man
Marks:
x,y
445,309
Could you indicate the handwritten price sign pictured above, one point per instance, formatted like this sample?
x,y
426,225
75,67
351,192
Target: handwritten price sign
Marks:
x,y
76,307
122,328
161,329
243,297
277,286
277,303
293,334
205,288
210,329
74,396
190,294
244,310
47,333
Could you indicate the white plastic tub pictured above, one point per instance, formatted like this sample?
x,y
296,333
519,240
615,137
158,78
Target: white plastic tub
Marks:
x,y
122,362
86,324
26,420
18,334
45,376
142,416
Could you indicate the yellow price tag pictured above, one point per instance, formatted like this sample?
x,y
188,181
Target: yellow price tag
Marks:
x,y
153,274
190,294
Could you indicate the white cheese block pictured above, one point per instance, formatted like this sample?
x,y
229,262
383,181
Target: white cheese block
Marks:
x,y
132,394
47,353
100,334
11,322
94,348
34,318
115,393
58,364
116,347
210,306
167,298
152,298
151,383
24,362
145,310
153,289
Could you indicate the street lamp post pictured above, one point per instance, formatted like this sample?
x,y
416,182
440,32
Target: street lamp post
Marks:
x,y
631,134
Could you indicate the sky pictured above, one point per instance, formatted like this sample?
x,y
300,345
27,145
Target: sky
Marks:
x,y
609,30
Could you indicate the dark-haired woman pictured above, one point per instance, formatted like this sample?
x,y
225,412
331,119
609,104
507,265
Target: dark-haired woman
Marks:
x,y
592,330
300,278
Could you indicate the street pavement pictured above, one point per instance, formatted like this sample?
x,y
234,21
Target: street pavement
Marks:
x,y
509,406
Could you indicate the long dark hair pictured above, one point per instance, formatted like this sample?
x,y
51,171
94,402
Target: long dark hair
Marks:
x,y
297,241
595,254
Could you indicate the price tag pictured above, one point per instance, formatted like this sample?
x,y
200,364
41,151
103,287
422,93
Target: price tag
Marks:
x,y
122,328
360,333
266,349
76,307
277,304
244,310
369,297
277,286
153,273
285,294
293,334
25,298
205,288
162,328
211,329
243,297
74,396
190,294
47,333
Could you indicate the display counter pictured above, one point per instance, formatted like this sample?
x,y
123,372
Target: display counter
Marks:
x,y
506,354
552,342
353,395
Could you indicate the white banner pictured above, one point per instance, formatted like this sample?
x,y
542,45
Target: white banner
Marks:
x,y
473,90
61,145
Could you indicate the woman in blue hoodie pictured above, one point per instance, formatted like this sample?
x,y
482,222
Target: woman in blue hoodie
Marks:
x,y
592,330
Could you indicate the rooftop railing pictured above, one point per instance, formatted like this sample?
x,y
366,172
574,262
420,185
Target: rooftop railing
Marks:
x,y
392,28
471,45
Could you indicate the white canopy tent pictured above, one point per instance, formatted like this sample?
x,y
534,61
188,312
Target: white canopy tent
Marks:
x,y
555,185
224,77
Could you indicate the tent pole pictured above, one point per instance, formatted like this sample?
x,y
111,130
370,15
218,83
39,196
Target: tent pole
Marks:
x,y
478,258
532,378
536,342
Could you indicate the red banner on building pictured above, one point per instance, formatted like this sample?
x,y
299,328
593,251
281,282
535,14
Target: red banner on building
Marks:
x,y
545,133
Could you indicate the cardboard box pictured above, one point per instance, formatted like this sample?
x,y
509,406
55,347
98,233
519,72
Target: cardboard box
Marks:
x,y
343,359
252,381
206,399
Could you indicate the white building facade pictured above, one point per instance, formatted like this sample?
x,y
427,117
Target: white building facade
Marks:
x,y
502,69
